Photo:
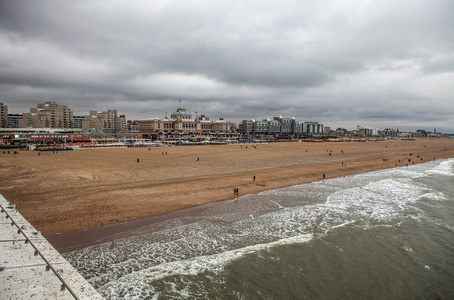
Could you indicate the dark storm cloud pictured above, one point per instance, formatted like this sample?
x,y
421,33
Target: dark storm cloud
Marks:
x,y
379,63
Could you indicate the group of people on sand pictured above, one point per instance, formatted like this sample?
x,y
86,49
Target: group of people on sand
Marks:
x,y
15,152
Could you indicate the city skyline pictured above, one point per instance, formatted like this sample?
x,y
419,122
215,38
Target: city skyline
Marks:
x,y
382,64
89,115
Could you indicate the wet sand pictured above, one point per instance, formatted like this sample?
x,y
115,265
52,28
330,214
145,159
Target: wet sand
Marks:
x,y
88,188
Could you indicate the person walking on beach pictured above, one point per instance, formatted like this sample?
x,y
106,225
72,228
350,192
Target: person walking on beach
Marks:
x,y
324,176
137,160
254,177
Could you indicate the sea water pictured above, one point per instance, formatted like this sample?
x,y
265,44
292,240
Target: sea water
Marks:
x,y
386,234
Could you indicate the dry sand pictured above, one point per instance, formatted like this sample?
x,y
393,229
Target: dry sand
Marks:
x,y
86,188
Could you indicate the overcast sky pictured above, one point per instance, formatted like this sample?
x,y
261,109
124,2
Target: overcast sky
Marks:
x,y
384,63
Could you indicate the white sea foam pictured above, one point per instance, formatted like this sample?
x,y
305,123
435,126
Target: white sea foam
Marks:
x,y
344,224
446,167
438,196
213,263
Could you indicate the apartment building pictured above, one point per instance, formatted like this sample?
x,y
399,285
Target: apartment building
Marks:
x,y
277,126
105,120
13,120
48,115
3,116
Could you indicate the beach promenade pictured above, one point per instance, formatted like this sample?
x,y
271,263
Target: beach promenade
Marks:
x,y
88,188
30,268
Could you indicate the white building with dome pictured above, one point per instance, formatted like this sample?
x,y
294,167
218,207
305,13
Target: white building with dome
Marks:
x,y
181,122
181,114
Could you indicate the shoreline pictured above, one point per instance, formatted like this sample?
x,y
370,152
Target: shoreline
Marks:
x,y
76,240
72,241
70,192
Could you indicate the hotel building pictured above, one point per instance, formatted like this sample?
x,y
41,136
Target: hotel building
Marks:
x,y
181,121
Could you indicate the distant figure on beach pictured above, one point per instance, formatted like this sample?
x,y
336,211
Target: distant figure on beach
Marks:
x,y
324,176
197,158
39,153
254,177
137,160
342,163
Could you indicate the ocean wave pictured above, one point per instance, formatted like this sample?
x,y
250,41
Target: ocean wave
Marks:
x,y
135,282
438,196
446,167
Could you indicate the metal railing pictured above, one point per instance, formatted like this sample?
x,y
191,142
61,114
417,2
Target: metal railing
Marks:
x,y
37,252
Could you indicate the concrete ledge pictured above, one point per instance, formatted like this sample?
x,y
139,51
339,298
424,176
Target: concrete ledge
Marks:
x,y
30,267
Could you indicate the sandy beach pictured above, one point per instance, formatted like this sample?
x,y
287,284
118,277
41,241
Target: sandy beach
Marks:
x,y
87,188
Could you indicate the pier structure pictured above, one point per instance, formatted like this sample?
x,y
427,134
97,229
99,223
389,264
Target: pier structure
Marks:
x,y
30,268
